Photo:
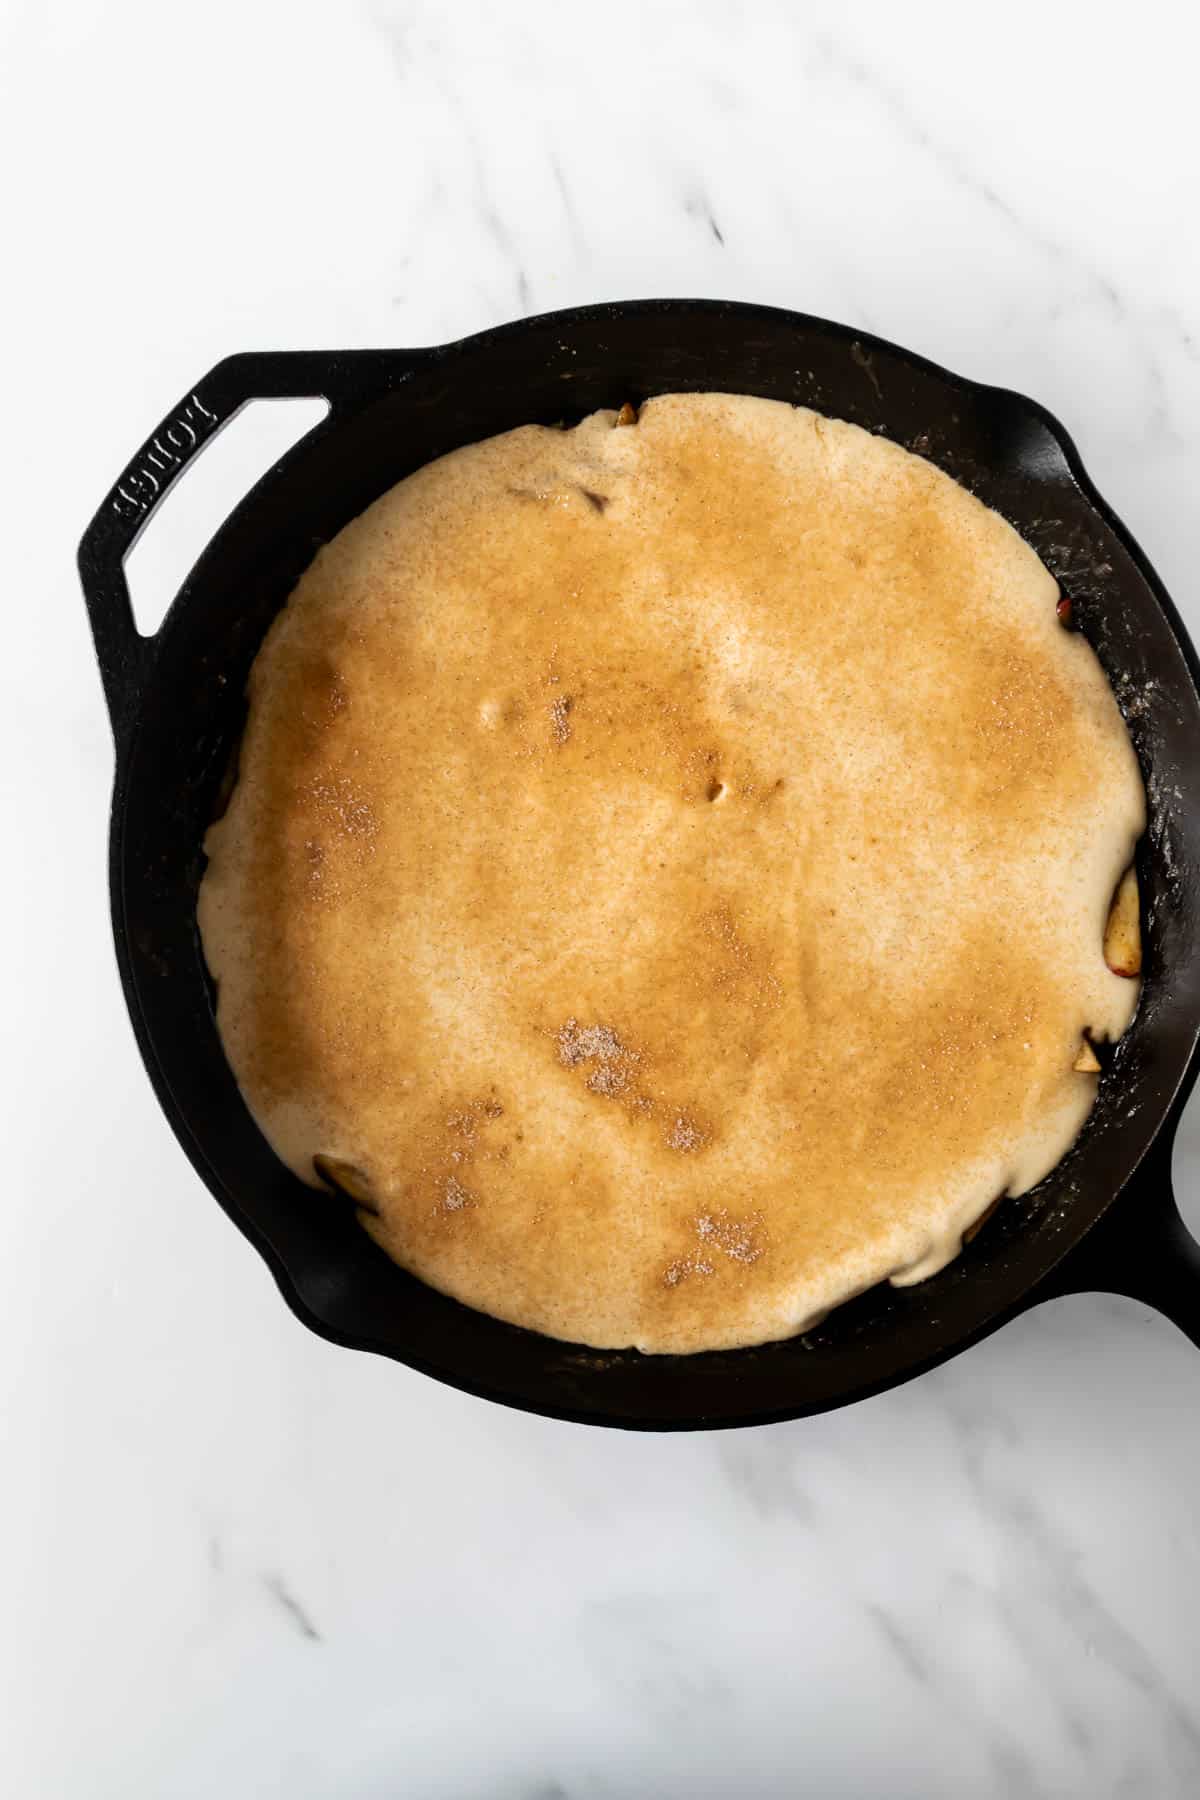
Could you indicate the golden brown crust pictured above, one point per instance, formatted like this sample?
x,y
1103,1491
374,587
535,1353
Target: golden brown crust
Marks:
x,y
669,866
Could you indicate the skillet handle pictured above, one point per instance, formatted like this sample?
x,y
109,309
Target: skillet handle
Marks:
x,y
1141,1247
122,651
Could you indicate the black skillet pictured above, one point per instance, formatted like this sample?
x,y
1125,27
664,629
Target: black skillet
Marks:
x,y
1105,1219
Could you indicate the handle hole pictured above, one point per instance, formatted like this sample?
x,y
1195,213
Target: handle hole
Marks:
x,y
206,492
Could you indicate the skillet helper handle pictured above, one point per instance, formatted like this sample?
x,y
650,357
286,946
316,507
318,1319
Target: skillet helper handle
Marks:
x,y
1141,1247
121,649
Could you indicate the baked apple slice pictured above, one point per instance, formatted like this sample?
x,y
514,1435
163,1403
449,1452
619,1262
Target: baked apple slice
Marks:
x,y
1123,933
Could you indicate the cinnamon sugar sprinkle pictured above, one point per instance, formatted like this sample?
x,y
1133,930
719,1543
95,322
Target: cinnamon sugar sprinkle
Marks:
x,y
560,718
455,1196
609,1078
613,1077
686,1136
344,808
731,1235
586,1043
461,1144
682,1267
734,1238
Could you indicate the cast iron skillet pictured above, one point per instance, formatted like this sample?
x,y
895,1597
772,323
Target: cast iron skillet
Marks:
x,y
1104,1219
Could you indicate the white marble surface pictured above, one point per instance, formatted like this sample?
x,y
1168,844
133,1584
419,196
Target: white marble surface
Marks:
x,y
236,1561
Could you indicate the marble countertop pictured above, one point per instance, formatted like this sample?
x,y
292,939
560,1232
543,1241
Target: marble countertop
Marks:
x,y
237,1561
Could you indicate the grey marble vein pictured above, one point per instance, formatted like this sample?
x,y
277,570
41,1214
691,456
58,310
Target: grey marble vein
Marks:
x,y
652,1648
1014,1771
1073,1598
569,208
697,205
835,58
288,1604
436,70
906,1647
831,57
762,1468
